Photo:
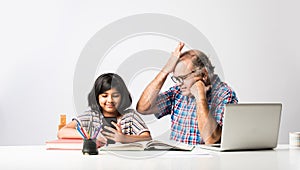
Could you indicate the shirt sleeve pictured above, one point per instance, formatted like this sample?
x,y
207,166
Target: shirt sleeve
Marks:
x,y
139,126
133,124
164,102
227,96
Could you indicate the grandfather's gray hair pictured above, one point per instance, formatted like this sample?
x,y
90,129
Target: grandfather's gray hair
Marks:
x,y
200,60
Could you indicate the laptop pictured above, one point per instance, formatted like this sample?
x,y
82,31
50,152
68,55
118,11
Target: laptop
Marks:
x,y
249,127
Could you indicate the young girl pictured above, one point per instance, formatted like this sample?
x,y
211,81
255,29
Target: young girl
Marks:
x,y
110,97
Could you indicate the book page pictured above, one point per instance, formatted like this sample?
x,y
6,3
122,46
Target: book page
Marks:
x,y
168,145
149,145
135,146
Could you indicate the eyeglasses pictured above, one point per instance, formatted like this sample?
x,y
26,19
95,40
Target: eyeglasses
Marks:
x,y
180,79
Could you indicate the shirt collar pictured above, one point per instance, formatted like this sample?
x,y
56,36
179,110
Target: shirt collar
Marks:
x,y
215,81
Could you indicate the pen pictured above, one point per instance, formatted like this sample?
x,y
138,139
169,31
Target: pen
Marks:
x,y
97,132
78,129
84,132
77,121
90,128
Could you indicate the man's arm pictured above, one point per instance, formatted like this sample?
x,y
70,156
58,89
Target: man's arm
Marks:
x,y
147,101
209,129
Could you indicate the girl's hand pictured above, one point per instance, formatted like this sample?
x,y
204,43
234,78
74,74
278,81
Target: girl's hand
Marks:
x,y
114,134
101,140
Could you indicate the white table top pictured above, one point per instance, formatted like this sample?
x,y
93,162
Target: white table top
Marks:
x,y
37,157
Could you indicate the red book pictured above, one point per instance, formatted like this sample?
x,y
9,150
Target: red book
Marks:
x,y
64,144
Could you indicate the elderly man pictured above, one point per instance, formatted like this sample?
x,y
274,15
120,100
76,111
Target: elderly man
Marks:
x,y
196,103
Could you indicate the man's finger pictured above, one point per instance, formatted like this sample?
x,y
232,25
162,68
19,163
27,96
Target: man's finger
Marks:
x,y
179,47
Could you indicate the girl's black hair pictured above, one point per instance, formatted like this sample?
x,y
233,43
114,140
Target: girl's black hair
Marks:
x,y
106,82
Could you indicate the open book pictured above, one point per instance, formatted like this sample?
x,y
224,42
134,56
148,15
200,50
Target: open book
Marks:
x,y
148,145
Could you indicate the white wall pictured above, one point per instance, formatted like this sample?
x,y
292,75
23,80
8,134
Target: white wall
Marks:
x,y
256,42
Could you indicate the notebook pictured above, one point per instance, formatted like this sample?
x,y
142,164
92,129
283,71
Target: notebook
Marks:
x,y
248,127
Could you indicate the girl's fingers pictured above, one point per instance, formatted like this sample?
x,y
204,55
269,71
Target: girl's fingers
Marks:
x,y
112,130
117,126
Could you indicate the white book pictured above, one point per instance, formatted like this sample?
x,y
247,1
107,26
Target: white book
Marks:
x,y
148,145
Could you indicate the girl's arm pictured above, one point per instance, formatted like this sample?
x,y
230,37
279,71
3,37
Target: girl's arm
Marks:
x,y
69,131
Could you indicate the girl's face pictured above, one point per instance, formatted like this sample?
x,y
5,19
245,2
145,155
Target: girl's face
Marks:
x,y
110,101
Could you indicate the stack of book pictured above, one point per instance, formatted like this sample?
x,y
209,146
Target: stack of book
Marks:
x,y
65,144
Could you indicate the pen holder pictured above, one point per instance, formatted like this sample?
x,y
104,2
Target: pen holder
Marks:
x,y
89,147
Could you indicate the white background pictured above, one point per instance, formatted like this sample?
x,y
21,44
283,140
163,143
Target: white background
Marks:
x,y
256,42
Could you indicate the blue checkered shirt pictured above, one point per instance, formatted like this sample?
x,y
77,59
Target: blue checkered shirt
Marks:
x,y
184,125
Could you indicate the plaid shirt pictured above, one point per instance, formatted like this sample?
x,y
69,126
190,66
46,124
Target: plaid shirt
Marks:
x,y
184,127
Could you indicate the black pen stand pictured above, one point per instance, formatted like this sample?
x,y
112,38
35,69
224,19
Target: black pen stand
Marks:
x,y
89,147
